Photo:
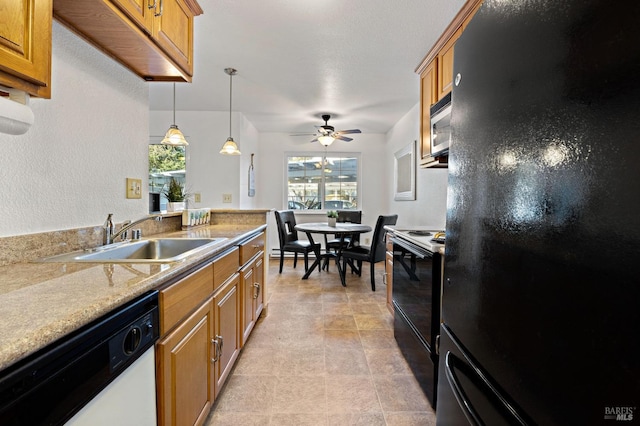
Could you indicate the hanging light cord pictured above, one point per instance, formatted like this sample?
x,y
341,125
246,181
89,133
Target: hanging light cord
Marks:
x,y
174,104
230,94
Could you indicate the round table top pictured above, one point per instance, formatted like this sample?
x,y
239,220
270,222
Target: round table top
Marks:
x,y
340,228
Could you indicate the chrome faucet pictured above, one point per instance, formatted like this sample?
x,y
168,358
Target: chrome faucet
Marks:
x,y
109,234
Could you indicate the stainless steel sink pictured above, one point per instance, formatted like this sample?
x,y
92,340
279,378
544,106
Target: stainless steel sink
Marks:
x,y
152,250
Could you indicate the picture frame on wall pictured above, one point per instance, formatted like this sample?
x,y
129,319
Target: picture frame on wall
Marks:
x,y
404,182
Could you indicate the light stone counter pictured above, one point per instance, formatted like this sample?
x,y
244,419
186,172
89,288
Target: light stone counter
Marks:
x,y
42,302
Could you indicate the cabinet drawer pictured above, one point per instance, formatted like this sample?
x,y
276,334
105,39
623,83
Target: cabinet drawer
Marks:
x,y
251,248
177,300
224,267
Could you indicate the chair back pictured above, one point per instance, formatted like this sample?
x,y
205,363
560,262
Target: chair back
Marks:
x,y
378,245
286,221
349,216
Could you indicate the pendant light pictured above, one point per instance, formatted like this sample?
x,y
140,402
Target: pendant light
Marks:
x,y
230,147
174,136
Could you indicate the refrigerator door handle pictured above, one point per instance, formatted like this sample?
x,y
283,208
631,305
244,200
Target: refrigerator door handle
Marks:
x,y
454,364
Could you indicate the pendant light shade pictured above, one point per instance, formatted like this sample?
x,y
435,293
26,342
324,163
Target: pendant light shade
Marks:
x,y
174,136
230,147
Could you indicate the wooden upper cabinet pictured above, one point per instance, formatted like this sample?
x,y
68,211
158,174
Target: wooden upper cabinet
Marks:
x,y
140,11
428,96
153,38
25,46
173,31
445,65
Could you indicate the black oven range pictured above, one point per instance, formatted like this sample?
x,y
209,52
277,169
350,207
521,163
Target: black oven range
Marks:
x,y
417,283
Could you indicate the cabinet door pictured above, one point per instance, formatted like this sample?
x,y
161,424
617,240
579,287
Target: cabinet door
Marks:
x,y
173,31
445,65
25,45
259,288
252,284
140,11
185,382
428,97
246,282
227,330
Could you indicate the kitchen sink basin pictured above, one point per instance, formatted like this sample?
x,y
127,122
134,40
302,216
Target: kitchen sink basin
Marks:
x,y
152,250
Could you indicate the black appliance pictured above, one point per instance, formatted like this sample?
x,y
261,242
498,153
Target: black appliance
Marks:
x,y
440,115
50,386
541,292
417,281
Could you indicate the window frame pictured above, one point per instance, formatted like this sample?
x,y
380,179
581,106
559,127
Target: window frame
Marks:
x,y
322,154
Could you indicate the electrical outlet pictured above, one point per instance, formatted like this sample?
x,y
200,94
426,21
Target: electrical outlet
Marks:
x,y
134,188
196,197
367,241
226,198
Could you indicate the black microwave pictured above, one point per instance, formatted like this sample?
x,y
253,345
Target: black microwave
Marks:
x,y
441,126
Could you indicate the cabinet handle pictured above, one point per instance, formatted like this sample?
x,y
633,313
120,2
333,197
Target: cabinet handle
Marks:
x,y
220,345
216,350
161,9
384,279
257,291
151,5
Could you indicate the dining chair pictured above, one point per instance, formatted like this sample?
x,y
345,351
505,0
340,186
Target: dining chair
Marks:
x,y
289,242
332,245
373,254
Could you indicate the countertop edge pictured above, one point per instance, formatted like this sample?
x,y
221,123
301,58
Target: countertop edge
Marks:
x,y
25,341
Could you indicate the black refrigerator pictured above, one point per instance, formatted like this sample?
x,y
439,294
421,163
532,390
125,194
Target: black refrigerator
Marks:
x,y
541,289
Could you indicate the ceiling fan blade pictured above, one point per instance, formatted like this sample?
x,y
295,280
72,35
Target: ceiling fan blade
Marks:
x,y
346,132
303,134
314,140
343,138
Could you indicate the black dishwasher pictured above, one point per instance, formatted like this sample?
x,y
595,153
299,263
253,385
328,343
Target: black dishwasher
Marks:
x,y
417,276
51,385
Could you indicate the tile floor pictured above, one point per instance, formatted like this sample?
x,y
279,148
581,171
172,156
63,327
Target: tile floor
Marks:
x,y
324,355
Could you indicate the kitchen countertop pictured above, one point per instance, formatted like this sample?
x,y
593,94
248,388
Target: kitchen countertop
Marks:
x,y
420,240
42,302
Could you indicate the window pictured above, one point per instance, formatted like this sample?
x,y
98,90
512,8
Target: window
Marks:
x,y
165,162
323,182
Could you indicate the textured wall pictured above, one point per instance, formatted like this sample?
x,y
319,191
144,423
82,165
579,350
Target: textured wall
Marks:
x,y
430,205
69,169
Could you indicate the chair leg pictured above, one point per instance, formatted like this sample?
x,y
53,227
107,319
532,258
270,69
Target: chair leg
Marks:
x,y
306,261
295,259
281,259
373,276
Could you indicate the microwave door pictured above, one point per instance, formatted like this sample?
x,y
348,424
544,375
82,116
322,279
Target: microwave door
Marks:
x,y
441,131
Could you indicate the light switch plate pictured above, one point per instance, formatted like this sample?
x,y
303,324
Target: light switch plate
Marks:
x,y
226,198
134,188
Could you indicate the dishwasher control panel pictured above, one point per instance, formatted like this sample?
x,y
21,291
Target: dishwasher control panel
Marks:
x,y
132,340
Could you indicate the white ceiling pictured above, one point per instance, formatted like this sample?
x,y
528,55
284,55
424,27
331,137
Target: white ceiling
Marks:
x,y
299,59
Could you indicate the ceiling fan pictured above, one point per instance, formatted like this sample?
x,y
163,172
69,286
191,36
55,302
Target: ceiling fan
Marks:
x,y
327,134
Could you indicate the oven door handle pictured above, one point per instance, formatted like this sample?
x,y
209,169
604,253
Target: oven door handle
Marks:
x,y
412,248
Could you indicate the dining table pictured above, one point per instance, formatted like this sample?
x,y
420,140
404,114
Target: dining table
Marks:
x,y
340,230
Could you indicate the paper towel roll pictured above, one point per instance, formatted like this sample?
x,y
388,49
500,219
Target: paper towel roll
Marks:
x,y
15,118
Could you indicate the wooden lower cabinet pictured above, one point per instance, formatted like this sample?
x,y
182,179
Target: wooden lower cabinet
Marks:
x,y
252,283
206,316
226,341
186,384
388,273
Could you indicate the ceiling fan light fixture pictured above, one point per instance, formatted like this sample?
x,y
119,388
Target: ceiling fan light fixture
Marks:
x,y
230,147
326,140
174,136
